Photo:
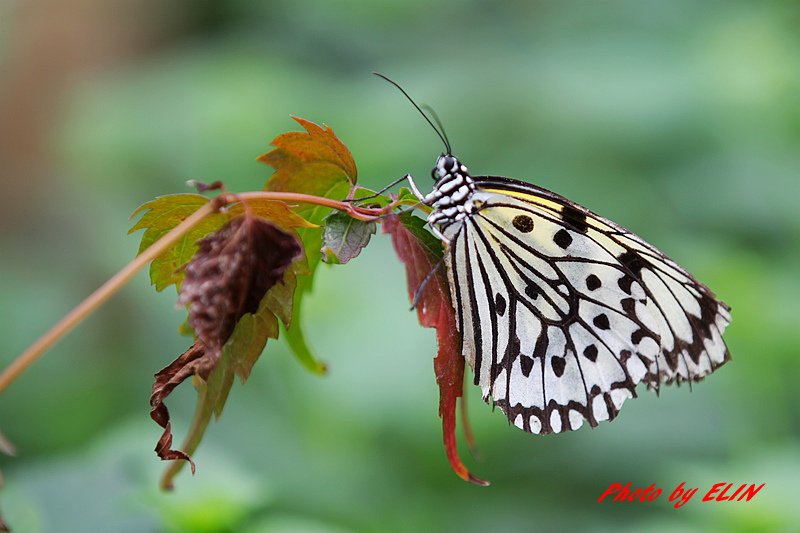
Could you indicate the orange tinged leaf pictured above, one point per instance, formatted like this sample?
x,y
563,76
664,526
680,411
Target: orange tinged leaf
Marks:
x,y
312,162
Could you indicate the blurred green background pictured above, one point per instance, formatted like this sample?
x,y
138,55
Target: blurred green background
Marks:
x,y
679,120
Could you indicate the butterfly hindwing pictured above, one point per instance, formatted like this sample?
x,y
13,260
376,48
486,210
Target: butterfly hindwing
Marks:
x,y
563,312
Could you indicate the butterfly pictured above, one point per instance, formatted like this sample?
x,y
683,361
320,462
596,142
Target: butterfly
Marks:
x,y
563,312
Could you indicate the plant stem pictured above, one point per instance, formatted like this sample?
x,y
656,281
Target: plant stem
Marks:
x,y
98,297
359,213
110,287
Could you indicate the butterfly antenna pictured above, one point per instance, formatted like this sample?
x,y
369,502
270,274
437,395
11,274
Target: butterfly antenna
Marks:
x,y
436,119
421,112
392,184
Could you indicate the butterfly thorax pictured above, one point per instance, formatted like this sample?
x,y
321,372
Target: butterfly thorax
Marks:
x,y
451,197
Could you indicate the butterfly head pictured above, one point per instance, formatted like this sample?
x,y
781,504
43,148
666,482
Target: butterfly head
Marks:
x,y
447,165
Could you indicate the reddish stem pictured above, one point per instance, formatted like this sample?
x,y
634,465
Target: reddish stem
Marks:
x,y
367,214
110,287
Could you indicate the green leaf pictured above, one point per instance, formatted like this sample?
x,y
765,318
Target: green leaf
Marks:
x,y
280,298
160,216
185,329
344,237
312,243
416,226
377,201
311,162
406,197
165,212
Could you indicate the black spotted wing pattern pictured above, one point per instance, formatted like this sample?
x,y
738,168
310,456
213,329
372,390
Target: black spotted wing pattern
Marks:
x,y
563,312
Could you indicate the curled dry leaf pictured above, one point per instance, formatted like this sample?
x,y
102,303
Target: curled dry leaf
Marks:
x,y
420,252
230,274
227,279
193,361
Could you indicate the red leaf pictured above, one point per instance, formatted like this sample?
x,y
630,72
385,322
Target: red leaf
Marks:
x,y
420,252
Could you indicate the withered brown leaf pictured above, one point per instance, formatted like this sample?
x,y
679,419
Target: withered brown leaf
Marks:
x,y
232,270
226,279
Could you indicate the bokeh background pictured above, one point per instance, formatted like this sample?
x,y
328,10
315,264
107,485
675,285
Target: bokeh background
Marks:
x,y
680,120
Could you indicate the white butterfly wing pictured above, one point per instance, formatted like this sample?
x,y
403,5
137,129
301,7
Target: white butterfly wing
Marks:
x,y
563,312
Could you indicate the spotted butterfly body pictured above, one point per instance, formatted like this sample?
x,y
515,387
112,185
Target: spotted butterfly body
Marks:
x,y
562,312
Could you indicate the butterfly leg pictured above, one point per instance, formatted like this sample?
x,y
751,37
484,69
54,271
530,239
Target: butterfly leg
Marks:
x,y
427,200
438,233
421,287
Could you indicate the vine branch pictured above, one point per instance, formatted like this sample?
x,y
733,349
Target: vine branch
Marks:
x,y
121,278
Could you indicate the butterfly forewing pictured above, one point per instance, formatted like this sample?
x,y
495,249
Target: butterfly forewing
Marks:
x,y
563,312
